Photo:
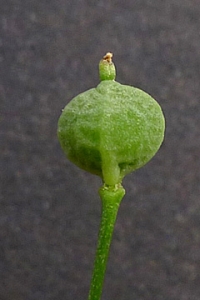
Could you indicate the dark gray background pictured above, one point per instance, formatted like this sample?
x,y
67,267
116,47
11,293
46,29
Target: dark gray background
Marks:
x,y
50,210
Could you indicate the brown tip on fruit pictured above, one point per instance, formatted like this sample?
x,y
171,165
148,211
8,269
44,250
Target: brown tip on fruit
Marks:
x,y
108,57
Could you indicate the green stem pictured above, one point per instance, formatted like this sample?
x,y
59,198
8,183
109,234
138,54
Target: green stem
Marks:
x,y
111,198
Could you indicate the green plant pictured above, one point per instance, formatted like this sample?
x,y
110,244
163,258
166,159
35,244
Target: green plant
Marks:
x,y
110,131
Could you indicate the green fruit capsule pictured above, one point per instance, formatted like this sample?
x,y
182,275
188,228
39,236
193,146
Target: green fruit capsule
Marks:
x,y
113,129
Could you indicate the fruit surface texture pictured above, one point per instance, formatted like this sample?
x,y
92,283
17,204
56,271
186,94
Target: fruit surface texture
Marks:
x,y
111,130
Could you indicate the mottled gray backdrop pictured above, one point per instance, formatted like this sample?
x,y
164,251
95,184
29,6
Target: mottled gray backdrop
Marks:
x,y
49,209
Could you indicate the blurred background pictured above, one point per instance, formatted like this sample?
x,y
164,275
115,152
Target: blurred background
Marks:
x,y
49,209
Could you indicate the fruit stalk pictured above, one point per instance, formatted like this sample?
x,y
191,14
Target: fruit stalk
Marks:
x,y
111,198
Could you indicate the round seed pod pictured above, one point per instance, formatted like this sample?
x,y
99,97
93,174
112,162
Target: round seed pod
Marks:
x,y
111,130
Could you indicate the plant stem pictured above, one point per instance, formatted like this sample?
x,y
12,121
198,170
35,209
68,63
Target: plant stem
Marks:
x,y
111,198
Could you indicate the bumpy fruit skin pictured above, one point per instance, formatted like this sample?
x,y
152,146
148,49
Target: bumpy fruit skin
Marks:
x,y
111,130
